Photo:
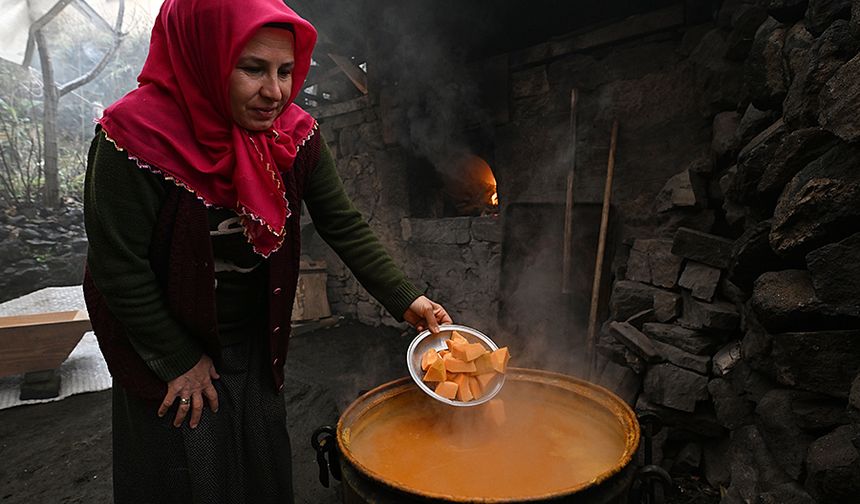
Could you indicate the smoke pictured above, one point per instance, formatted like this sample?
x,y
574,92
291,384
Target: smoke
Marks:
x,y
424,60
427,78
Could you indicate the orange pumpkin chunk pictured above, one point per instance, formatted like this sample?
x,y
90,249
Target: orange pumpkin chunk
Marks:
x,y
429,357
485,379
447,389
464,393
455,365
436,372
499,358
459,338
475,387
483,364
468,352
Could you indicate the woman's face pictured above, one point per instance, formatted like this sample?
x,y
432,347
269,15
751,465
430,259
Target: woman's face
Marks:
x,y
261,82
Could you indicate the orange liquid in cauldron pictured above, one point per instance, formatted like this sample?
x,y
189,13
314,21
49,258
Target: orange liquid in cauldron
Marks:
x,y
547,444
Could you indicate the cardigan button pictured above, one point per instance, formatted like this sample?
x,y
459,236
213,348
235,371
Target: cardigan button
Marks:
x,y
276,330
276,291
276,361
281,387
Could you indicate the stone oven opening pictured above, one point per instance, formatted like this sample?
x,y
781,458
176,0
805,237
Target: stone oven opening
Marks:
x,y
471,187
464,187
459,184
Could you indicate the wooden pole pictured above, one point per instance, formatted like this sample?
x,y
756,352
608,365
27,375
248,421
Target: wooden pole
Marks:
x,y
601,247
567,254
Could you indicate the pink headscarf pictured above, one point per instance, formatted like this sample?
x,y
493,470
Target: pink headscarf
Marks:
x,y
178,121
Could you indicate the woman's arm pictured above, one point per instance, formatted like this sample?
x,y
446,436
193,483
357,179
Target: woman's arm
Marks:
x,y
341,225
121,205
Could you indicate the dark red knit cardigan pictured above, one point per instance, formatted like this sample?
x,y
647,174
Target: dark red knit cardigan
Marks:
x,y
182,259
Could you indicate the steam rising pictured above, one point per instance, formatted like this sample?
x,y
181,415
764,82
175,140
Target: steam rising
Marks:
x,y
419,61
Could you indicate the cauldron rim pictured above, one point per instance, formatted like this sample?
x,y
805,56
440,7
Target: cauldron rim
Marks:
x,y
596,393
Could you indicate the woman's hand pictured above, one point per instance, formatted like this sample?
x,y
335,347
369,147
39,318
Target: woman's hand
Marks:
x,y
423,313
190,388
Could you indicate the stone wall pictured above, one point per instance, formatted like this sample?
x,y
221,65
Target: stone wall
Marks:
x,y
647,83
455,260
40,248
744,334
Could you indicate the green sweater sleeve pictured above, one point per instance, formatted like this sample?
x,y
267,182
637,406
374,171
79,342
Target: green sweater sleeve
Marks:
x,y
121,205
341,225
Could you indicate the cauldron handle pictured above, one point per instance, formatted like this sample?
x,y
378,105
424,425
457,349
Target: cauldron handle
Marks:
x,y
643,489
324,440
651,423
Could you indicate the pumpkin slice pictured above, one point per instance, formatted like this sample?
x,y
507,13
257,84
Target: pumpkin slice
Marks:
x,y
446,389
436,372
485,379
468,352
464,393
459,338
455,365
500,358
429,357
475,387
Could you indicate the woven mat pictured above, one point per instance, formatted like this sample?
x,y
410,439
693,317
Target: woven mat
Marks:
x,y
84,370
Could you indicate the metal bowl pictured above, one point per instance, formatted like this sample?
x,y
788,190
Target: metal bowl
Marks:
x,y
427,340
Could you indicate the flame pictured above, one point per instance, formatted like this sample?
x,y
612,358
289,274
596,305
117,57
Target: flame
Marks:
x,y
490,183
474,187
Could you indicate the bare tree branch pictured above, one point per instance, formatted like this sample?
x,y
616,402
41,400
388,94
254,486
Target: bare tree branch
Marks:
x,y
96,70
95,18
38,25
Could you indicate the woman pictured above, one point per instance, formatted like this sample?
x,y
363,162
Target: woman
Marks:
x,y
194,184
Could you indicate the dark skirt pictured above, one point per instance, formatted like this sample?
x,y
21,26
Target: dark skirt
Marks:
x,y
240,455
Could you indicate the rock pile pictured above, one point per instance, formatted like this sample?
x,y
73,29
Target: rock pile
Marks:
x,y
744,330
41,248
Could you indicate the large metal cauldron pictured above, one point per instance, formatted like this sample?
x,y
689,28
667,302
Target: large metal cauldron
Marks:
x,y
366,483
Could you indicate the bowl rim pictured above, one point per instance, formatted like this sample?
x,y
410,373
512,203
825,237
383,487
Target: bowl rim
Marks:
x,y
416,372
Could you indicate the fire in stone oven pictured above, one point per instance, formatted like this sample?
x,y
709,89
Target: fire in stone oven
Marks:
x,y
461,184
470,186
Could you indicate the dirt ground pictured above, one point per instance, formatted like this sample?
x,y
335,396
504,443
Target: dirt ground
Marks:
x,y
60,452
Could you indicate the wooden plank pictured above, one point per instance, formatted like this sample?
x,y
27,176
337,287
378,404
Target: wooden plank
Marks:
x,y
39,342
311,300
355,74
41,318
362,102
632,27
319,78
